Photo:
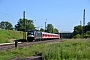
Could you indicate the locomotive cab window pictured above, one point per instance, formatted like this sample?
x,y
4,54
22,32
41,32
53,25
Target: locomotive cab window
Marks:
x,y
30,33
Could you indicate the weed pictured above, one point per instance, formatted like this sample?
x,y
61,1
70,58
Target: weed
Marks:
x,y
68,50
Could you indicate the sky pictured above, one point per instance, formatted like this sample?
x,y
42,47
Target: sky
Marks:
x,y
62,14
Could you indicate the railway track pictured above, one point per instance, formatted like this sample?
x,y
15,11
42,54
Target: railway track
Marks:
x,y
24,44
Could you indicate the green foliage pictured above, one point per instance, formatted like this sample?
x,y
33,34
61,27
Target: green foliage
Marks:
x,y
84,31
68,50
78,36
51,29
6,35
56,31
75,49
20,26
78,30
87,27
87,34
6,25
42,30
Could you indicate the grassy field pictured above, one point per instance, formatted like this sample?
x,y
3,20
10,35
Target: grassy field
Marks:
x,y
73,49
69,50
7,35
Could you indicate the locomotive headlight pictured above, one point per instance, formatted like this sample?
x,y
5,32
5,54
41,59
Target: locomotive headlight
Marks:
x,y
30,35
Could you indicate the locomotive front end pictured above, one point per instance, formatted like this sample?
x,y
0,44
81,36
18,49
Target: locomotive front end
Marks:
x,y
30,35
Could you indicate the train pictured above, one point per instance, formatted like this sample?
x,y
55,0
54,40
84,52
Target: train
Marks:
x,y
34,35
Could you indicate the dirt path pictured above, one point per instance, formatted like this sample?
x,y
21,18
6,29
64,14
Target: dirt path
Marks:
x,y
35,57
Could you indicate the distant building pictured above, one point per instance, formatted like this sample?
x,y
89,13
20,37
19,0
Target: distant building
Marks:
x,y
65,34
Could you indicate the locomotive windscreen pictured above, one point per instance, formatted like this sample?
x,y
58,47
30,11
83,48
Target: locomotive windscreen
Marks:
x,y
30,33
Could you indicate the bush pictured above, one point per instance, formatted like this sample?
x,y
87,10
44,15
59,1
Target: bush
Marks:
x,y
78,36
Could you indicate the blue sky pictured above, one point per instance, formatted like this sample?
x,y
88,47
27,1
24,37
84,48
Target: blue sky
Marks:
x,y
62,14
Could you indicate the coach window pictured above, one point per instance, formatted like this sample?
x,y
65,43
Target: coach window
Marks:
x,y
48,35
45,35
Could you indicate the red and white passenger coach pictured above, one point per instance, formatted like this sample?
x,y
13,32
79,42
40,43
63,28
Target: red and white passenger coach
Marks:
x,y
50,35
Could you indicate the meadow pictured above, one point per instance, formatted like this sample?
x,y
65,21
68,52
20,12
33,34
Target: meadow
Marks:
x,y
7,35
71,49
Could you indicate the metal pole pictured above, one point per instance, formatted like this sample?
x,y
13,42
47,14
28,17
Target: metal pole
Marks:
x,y
45,25
80,23
24,25
83,21
81,27
84,18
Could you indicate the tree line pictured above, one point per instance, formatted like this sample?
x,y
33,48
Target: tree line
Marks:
x,y
25,25
82,31
78,32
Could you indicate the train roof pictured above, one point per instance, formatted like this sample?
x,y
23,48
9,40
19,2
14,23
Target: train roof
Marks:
x,y
42,32
49,33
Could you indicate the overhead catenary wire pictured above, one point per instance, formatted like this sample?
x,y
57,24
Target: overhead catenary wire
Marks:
x,y
68,13
8,15
35,17
41,17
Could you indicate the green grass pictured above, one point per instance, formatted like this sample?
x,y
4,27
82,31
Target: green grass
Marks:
x,y
6,35
71,49
21,52
75,49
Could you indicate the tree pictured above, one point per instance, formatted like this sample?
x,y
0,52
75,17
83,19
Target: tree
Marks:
x,y
87,34
6,25
50,28
78,30
78,36
20,26
41,29
84,31
56,30
87,27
